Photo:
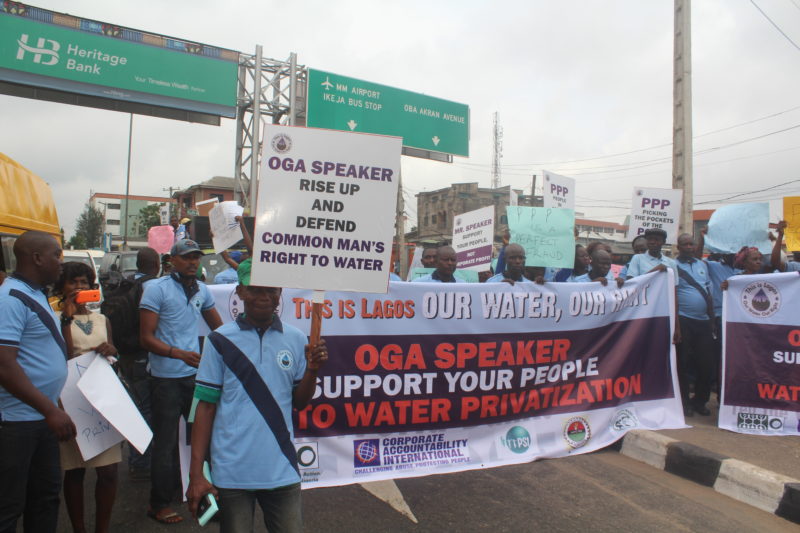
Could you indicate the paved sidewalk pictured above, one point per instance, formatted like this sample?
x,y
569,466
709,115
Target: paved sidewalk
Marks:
x,y
763,471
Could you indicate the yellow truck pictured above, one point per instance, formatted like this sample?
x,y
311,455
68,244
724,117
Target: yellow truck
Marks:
x,y
26,203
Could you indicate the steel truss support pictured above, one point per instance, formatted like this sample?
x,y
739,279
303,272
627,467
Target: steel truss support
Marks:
x,y
268,90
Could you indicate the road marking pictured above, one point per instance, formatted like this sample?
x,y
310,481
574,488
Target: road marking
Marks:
x,y
387,491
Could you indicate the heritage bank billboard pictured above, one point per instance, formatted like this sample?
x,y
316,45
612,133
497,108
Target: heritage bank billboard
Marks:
x,y
49,50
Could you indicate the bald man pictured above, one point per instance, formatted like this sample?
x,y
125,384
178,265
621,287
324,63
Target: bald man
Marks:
x,y
515,266
445,267
33,370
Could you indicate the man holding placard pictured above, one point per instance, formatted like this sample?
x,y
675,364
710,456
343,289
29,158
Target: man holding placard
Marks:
x,y
253,372
652,260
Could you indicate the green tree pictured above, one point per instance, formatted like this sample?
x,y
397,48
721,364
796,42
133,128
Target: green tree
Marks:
x,y
147,218
89,229
77,242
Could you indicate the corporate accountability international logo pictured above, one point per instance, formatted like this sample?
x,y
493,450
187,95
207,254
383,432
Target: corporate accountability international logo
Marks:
x,y
761,299
44,53
517,439
366,452
577,432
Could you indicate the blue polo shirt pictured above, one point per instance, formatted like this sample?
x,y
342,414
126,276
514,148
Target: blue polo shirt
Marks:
x,y
28,324
691,303
717,273
228,275
644,263
244,451
179,312
433,277
498,278
792,266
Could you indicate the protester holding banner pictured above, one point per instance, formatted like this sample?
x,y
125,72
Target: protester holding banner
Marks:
x,y
652,260
445,267
696,317
601,268
33,371
639,246
253,372
85,331
515,266
748,260
580,271
170,309
428,257
777,258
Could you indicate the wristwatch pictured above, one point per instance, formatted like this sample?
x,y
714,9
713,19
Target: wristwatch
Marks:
x,y
66,320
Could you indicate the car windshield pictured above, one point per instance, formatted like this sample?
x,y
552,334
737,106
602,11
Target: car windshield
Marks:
x,y
128,262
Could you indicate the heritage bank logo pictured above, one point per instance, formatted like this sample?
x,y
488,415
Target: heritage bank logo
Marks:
x,y
46,49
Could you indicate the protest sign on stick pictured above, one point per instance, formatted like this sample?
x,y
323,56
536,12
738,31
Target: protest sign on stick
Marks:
x,y
225,227
473,235
791,214
546,234
655,208
733,226
558,191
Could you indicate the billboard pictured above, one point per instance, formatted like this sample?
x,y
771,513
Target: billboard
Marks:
x,y
55,51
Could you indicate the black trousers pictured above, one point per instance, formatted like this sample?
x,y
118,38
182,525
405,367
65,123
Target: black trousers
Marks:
x,y
696,357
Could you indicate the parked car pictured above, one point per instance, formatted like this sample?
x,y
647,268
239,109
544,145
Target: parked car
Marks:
x,y
116,266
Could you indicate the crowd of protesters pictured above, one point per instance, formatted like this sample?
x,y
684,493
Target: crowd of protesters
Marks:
x,y
253,371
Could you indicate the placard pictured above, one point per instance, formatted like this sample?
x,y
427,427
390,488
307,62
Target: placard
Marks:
x,y
161,238
791,214
558,191
733,226
655,208
163,214
473,235
226,230
326,209
546,234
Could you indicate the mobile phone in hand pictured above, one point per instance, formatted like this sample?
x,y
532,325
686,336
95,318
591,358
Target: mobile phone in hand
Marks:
x,y
92,295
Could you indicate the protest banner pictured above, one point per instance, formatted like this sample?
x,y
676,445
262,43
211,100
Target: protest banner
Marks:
x,y
102,388
95,433
761,361
791,214
473,238
655,208
161,238
226,230
463,276
432,378
558,191
546,234
733,226
326,209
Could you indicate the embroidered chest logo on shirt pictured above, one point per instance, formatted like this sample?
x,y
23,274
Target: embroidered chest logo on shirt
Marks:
x,y
285,359
196,302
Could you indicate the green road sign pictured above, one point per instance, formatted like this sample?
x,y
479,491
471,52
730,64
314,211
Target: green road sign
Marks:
x,y
340,103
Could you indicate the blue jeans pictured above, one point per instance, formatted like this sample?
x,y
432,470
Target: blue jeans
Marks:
x,y
169,399
281,508
30,471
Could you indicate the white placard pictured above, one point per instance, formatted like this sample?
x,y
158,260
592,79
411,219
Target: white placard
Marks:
x,y
163,214
222,219
326,209
558,191
184,454
95,433
102,388
655,208
473,238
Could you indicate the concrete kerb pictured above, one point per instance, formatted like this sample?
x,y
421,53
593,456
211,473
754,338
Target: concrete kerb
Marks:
x,y
756,486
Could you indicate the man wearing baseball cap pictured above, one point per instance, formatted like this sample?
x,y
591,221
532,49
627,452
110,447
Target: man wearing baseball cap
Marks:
x,y
653,259
169,311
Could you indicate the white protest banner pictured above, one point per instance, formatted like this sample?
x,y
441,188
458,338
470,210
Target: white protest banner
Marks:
x,y
326,209
431,379
226,230
163,214
473,238
655,208
95,433
102,388
761,355
558,191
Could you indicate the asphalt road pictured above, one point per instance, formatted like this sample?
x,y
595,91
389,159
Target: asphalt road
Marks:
x,y
598,492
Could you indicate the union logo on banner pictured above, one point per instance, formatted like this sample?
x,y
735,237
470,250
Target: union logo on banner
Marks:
x,y
761,299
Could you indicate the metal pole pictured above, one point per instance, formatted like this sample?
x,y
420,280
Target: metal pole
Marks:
x,y
401,229
682,113
292,88
128,185
256,133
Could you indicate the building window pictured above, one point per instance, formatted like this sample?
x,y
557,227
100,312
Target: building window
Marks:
x,y
433,219
186,201
111,222
425,222
113,206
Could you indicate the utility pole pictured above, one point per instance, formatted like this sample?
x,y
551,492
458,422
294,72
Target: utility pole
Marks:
x,y
128,186
497,152
682,113
401,227
170,189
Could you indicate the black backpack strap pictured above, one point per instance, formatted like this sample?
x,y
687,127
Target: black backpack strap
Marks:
x,y
258,392
685,276
44,316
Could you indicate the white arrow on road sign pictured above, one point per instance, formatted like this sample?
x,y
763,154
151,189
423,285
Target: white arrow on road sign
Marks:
x,y
352,124
435,140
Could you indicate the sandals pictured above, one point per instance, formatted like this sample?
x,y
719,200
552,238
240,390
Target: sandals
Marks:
x,y
165,516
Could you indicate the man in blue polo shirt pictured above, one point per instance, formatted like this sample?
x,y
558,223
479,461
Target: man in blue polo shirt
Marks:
x,y
695,314
252,373
169,312
515,266
653,259
33,370
445,267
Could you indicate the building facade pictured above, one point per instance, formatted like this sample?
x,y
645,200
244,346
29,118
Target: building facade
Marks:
x,y
219,187
116,211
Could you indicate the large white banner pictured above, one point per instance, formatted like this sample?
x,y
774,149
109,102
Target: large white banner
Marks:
x,y
761,355
655,208
326,209
558,191
435,378
473,238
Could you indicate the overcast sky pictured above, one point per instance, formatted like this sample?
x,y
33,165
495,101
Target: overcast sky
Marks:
x,y
574,83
